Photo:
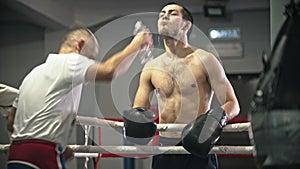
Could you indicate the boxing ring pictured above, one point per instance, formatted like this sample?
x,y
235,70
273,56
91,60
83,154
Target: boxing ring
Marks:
x,y
94,151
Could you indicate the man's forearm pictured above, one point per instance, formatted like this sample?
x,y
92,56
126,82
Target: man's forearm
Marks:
x,y
231,108
120,62
10,119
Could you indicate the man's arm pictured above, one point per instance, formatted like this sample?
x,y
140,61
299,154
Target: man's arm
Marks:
x,y
200,135
221,86
231,104
143,95
7,95
139,119
121,61
10,119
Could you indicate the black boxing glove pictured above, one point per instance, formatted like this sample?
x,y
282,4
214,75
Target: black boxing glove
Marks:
x,y
199,136
139,126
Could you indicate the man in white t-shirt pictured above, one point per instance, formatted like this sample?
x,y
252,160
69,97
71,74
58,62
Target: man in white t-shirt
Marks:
x,y
7,96
44,111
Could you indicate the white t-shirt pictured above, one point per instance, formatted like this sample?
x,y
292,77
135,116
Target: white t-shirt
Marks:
x,y
49,97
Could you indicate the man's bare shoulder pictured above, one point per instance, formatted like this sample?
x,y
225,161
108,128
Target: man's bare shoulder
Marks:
x,y
203,53
204,56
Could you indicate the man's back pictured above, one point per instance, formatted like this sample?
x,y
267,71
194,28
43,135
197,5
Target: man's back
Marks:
x,y
49,95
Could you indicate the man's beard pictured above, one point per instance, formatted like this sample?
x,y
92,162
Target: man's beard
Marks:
x,y
168,33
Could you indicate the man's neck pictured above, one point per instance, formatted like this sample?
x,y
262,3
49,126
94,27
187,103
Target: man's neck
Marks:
x,y
65,50
177,48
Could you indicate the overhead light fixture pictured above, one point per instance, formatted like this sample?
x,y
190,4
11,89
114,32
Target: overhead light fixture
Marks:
x,y
214,8
224,33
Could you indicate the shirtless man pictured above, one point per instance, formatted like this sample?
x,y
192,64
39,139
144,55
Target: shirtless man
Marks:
x,y
184,80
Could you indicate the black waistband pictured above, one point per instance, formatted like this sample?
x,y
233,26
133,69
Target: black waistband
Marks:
x,y
168,141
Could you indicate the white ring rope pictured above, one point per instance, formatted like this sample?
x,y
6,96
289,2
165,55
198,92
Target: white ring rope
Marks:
x,y
92,151
83,151
94,121
158,149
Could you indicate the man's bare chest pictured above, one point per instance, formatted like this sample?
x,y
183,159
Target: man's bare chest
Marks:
x,y
182,79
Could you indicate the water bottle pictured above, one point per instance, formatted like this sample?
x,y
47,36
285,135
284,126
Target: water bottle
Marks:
x,y
147,55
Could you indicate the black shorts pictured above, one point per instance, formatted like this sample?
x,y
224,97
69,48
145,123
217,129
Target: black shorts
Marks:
x,y
182,161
